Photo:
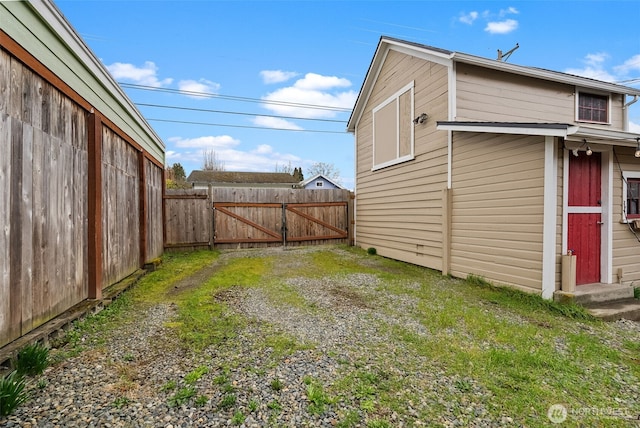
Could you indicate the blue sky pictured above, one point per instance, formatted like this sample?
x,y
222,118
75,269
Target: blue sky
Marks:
x,y
243,73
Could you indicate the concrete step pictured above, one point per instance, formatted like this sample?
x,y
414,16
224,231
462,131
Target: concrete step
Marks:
x,y
612,311
589,294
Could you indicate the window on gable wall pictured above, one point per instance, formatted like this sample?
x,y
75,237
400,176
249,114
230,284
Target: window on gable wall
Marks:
x,y
631,195
393,129
593,108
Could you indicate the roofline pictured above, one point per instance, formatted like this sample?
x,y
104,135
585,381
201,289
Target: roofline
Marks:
x,y
449,57
305,182
569,132
540,73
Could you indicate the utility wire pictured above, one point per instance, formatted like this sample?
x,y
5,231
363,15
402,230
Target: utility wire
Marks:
x,y
232,98
238,113
246,126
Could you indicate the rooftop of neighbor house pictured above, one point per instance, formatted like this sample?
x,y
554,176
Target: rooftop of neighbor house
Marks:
x,y
199,176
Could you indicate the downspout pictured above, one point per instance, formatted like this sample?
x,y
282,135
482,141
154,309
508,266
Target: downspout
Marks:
x,y
625,113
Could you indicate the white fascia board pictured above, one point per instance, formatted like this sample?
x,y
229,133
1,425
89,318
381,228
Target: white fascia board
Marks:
x,y
622,138
518,130
539,73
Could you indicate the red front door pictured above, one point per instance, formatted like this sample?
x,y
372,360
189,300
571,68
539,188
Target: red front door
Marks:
x,y
585,215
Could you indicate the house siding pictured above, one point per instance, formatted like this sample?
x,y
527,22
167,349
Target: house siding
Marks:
x,y
490,95
626,247
399,208
497,208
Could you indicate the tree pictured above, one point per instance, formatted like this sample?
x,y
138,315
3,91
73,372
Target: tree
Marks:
x,y
284,168
328,170
211,161
178,172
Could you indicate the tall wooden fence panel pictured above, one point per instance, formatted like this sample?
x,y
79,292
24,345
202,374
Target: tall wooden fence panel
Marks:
x,y
187,219
121,208
43,192
257,217
154,185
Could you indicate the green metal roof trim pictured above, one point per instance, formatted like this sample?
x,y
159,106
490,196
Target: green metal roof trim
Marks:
x,y
41,29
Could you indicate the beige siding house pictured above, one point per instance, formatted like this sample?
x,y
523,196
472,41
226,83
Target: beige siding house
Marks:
x,y
475,166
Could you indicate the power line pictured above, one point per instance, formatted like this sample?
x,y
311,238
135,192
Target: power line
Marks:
x,y
246,126
238,113
232,98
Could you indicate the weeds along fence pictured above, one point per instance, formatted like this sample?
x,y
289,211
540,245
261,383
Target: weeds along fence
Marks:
x,y
256,217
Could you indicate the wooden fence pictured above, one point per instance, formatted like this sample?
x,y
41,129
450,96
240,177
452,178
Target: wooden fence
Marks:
x,y
257,217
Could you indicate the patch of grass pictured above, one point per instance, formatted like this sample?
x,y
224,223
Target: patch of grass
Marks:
x,y
276,384
378,423
169,386
228,401
195,375
205,320
12,393
636,292
201,401
182,396
238,418
121,402
349,419
176,266
253,405
317,397
274,405
511,297
32,360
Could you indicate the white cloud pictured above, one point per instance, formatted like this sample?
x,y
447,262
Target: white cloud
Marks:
x,y
634,127
277,76
192,87
264,149
509,11
501,27
630,65
313,89
594,67
313,81
275,122
207,142
468,18
145,75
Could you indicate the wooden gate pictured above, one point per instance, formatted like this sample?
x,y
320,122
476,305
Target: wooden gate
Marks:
x,y
253,217
279,223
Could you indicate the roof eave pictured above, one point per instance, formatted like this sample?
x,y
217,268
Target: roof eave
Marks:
x,y
539,73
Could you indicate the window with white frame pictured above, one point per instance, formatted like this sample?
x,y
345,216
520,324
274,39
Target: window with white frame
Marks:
x,y
319,184
630,195
592,108
393,129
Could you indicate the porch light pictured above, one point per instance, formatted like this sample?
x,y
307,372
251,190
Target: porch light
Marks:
x,y
637,154
589,151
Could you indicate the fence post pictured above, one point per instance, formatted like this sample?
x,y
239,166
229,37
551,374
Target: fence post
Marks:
x,y
284,224
212,220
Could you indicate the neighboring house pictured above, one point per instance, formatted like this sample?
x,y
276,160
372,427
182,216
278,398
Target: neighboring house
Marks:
x,y
81,172
319,181
203,179
474,166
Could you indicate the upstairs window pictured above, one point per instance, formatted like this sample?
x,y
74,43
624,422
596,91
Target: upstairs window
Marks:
x,y
319,184
593,108
393,129
631,195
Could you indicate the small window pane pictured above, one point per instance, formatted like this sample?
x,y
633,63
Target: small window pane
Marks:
x,y
593,108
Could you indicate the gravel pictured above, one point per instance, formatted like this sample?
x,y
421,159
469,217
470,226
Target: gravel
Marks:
x,y
136,377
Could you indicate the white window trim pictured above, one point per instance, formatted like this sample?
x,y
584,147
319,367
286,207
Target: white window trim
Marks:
x,y
319,183
592,92
626,175
410,86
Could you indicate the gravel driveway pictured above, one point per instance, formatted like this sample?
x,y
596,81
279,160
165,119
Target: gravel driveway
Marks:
x,y
345,326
